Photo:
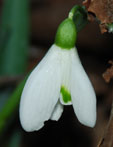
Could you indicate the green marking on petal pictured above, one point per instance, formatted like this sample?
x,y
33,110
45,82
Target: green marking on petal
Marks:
x,y
66,96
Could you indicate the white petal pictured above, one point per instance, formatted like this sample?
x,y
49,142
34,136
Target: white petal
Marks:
x,y
41,91
82,92
66,74
57,111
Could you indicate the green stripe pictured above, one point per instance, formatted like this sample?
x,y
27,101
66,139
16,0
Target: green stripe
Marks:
x,y
66,96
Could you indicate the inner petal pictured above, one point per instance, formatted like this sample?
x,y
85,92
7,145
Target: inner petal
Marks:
x,y
65,96
57,112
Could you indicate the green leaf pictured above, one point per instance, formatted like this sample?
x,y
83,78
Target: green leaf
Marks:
x,y
11,140
14,37
4,94
11,105
15,139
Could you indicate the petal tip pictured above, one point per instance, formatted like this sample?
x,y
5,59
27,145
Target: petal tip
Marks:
x,y
88,121
30,127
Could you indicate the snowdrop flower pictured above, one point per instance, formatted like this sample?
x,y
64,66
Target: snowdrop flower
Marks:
x,y
58,80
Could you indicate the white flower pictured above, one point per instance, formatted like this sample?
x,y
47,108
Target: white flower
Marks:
x,y
59,79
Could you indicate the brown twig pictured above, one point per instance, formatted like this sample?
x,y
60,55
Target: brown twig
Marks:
x,y
107,140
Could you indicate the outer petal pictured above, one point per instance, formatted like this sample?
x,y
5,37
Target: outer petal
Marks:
x,y
57,111
82,92
41,91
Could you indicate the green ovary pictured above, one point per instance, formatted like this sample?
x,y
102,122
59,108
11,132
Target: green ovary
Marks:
x,y
66,96
66,34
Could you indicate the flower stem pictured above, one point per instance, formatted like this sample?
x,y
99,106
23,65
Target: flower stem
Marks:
x,y
79,15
